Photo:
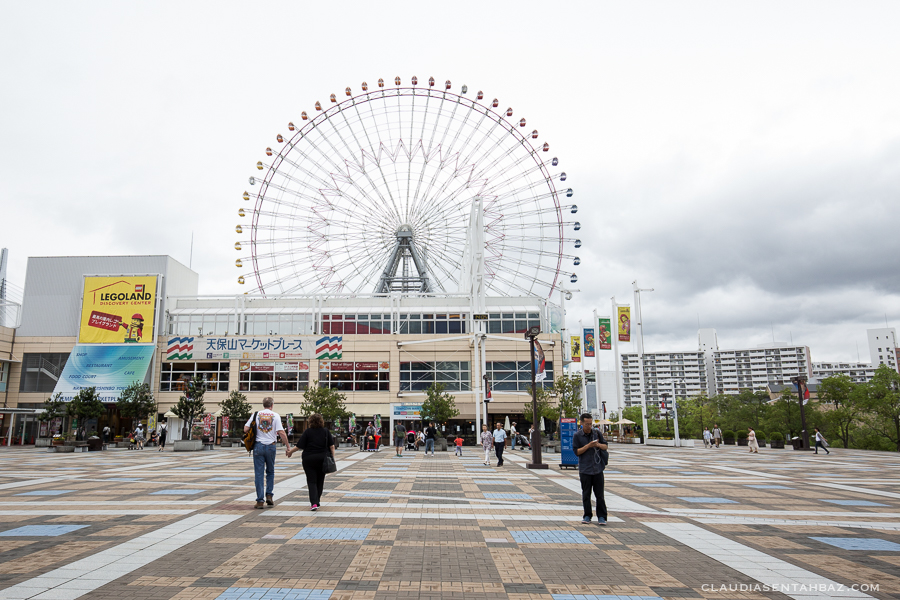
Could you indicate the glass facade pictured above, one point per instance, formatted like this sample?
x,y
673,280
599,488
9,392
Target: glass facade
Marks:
x,y
419,376
291,376
175,375
512,322
440,323
515,376
355,376
368,324
40,372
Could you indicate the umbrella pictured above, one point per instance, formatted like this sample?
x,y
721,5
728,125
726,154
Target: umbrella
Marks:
x,y
506,423
169,414
625,422
605,422
542,423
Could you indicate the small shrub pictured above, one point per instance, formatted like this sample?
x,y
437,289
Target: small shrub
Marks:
x,y
776,437
728,434
742,435
761,436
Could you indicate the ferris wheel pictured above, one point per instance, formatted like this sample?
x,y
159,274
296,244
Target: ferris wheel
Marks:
x,y
372,193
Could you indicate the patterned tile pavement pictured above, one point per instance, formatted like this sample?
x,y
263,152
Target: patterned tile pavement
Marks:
x,y
684,523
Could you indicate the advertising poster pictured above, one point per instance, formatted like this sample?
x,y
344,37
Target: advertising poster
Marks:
x,y
301,347
108,369
540,362
588,350
604,335
118,310
576,348
624,323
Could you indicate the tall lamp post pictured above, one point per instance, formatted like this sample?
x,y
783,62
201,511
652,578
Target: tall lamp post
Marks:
x,y
800,382
535,463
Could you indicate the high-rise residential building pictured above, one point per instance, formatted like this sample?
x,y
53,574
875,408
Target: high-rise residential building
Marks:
x,y
883,348
858,372
708,342
678,374
755,368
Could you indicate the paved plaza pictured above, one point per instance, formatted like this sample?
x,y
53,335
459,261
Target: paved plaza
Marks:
x,y
684,523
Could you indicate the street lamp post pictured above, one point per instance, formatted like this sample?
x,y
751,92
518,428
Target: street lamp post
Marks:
x,y
800,382
535,463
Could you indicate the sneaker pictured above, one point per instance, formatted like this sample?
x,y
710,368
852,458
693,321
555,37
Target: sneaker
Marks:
x,y
586,521
601,521
260,504
314,507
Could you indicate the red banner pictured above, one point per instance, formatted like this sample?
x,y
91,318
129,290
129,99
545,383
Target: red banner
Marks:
x,y
103,320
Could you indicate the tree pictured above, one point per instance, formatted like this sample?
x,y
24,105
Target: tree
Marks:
x,y
85,405
884,404
136,402
784,415
327,402
190,405
567,389
846,400
236,408
694,414
544,408
439,406
54,408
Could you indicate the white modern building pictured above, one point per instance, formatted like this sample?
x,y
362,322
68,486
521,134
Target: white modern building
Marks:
x,y
678,374
858,372
883,349
755,368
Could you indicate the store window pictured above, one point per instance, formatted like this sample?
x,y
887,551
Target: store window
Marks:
x,y
292,376
40,372
515,376
355,376
512,322
419,376
175,375
440,323
368,324
279,324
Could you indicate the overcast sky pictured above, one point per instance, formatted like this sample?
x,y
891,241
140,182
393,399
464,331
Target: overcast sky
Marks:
x,y
742,159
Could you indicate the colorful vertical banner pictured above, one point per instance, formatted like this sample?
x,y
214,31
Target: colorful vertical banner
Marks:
x,y
588,350
604,334
575,346
624,323
540,363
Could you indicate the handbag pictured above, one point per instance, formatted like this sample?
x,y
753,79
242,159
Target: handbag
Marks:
x,y
328,465
250,436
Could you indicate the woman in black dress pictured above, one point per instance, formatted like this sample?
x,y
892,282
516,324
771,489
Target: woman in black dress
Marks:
x,y
316,443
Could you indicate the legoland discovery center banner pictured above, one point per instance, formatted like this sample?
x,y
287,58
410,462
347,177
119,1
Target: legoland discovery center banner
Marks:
x,y
118,310
109,369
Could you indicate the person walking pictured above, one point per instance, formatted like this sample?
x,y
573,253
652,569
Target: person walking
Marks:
x,y
590,446
821,442
487,443
499,443
106,434
317,443
707,438
751,441
139,437
717,435
162,438
430,435
268,430
399,438
512,436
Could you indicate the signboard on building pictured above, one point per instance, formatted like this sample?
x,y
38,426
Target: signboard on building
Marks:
x,y
108,369
300,347
118,310
406,411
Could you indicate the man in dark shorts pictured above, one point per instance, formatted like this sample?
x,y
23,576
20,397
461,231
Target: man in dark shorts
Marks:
x,y
399,438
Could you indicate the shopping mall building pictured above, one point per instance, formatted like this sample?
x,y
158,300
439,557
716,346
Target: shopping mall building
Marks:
x,y
381,351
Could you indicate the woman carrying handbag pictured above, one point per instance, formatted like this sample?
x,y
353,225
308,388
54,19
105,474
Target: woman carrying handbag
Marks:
x,y
317,445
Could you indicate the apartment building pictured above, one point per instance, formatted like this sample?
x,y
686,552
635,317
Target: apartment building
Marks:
x,y
858,372
883,348
755,368
678,374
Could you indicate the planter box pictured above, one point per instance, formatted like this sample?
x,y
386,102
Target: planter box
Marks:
x,y
65,448
728,442
687,443
43,442
95,444
743,442
655,442
188,446
777,445
225,444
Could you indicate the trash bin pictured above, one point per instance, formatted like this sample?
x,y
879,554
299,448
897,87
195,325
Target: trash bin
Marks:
x,y
797,443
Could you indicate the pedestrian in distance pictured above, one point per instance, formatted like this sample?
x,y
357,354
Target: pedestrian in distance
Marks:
x,y
458,442
487,444
821,442
317,443
717,435
139,437
512,435
751,441
268,430
591,448
499,443
369,436
430,435
399,438
106,434
707,438
162,438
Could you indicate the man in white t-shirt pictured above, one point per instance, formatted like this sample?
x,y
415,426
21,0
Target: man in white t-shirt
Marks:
x,y
512,436
268,430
